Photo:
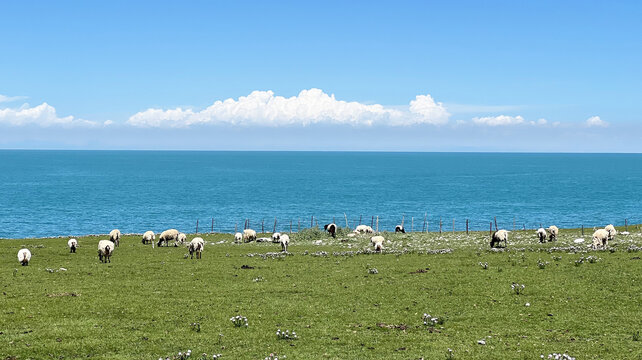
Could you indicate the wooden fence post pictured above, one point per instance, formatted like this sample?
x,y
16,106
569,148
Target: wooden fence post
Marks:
x,y
453,226
491,228
212,225
496,223
440,224
236,228
412,224
262,223
346,217
466,226
582,229
312,221
626,225
423,229
196,226
360,219
274,228
377,223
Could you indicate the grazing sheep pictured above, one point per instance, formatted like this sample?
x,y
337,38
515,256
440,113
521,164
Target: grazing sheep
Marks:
x,y
180,239
377,242
364,229
238,237
399,228
167,236
285,241
105,250
553,232
541,235
73,244
196,246
276,237
24,256
249,235
611,230
114,236
331,228
498,237
600,238
149,237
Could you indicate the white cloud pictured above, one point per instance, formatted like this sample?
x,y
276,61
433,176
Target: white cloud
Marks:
x,y
42,115
5,98
311,106
500,120
539,122
596,121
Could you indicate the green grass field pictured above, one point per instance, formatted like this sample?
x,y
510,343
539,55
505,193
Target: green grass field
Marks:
x,y
150,303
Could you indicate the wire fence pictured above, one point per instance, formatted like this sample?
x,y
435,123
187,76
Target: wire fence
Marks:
x,y
422,223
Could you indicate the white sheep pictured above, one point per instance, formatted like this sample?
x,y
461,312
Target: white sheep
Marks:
x,y
600,238
73,244
180,239
276,237
238,237
364,229
331,228
105,250
149,237
399,228
553,232
249,235
611,230
377,242
196,246
499,236
24,256
114,236
167,236
285,241
541,235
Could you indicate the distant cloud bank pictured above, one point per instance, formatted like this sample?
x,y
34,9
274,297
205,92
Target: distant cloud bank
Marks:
x,y
312,106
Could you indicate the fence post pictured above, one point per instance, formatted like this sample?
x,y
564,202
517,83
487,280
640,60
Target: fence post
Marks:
x,y
360,219
626,225
440,224
312,221
196,226
290,226
496,223
262,222
453,226
346,217
466,226
377,223
491,228
212,225
582,229
423,229
236,228
412,224
274,228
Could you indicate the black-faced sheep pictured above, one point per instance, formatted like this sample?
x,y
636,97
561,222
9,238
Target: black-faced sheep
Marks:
x,y
498,237
553,232
249,235
377,242
611,230
149,237
364,229
238,237
400,229
276,237
600,238
167,236
105,250
285,241
24,256
114,236
331,228
541,235
196,246
73,244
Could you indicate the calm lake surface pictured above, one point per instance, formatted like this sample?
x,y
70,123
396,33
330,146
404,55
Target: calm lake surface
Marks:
x,y
55,193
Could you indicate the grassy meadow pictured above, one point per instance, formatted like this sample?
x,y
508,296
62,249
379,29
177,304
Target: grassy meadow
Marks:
x,y
343,301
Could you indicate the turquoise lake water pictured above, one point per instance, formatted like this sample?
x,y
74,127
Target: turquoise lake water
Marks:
x,y
52,193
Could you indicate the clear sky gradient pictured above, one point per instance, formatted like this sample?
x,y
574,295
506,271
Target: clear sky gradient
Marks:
x,y
500,75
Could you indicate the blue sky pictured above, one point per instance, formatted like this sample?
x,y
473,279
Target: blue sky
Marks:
x,y
402,75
